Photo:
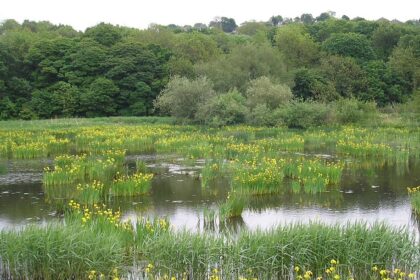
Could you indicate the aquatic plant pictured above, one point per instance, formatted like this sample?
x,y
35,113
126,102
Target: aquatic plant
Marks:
x,y
136,184
414,194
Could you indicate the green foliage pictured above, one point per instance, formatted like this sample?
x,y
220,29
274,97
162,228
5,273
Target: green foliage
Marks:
x,y
349,44
355,111
262,91
182,98
305,114
345,74
105,34
296,45
98,100
233,71
224,109
311,85
49,71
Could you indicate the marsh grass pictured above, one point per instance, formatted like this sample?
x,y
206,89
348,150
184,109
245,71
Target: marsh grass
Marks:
x,y
59,251
233,206
272,254
136,184
414,194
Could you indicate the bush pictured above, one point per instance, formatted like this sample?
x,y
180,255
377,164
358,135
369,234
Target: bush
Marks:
x,y
182,97
355,111
298,114
263,116
263,92
225,109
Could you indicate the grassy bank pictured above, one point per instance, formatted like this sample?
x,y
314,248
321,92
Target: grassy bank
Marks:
x,y
74,250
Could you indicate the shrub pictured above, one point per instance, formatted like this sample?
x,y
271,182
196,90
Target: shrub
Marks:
x,y
182,97
355,111
263,92
300,114
225,109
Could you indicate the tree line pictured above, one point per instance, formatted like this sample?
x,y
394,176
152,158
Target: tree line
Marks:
x,y
218,72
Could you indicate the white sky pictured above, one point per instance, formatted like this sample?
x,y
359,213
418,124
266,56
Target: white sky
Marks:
x,y
84,13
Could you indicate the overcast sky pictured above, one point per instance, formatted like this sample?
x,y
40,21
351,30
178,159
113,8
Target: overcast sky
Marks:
x,y
84,13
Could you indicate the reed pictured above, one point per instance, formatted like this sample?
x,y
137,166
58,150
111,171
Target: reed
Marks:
x,y
414,194
233,206
136,184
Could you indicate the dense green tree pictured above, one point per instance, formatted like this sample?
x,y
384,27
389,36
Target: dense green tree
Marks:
x,y
296,45
311,85
226,24
48,59
385,38
307,18
233,71
251,28
196,47
349,44
276,20
405,60
346,75
59,100
98,100
105,34
49,70
384,85
87,63
130,63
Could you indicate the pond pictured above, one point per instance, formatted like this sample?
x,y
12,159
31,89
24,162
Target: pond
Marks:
x,y
369,191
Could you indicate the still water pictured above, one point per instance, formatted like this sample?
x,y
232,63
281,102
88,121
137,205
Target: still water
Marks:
x,y
369,191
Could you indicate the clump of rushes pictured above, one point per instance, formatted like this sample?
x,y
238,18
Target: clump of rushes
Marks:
x,y
336,271
270,254
313,175
136,184
141,166
61,251
233,206
58,146
260,176
414,194
90,193
29,150
147,229
211,171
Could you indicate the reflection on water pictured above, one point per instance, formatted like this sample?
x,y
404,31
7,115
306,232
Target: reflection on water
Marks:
x,y
369,191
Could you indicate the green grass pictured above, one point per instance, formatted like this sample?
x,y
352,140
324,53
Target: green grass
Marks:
x,y
94,238
415,199
59,251
272,254
136,184
233,206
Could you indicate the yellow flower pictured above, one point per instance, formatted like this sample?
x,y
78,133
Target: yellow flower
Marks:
x,y
336,277
297,268
411,275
